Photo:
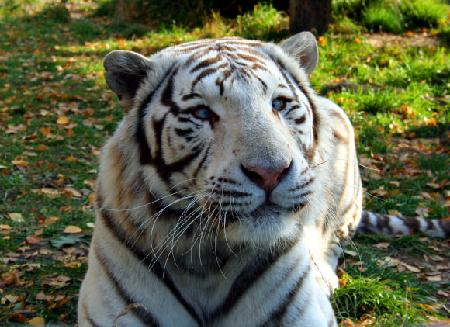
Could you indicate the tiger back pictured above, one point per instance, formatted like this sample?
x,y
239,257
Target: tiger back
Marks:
x,y
224,192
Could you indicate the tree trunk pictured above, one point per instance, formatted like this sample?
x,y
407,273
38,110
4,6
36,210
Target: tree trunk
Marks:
x,y
309,15
124,11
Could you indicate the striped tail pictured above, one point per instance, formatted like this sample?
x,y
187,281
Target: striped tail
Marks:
x,y
394,225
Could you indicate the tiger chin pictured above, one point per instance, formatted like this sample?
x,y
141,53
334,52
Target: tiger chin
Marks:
x,y
224,192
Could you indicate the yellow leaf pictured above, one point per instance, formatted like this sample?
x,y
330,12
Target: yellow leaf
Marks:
x,y
63,120
73,264
72,229
92,197
71,158
36,321
4,227
322,41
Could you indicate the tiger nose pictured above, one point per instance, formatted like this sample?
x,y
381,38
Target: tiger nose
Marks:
x,y
266,178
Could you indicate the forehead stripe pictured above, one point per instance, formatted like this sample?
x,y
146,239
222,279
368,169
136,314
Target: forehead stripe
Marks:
x,y
141,138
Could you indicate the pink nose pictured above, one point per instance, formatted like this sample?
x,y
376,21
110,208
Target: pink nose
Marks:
x,y
266,178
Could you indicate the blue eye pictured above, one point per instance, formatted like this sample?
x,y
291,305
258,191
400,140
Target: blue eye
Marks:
x,y
278,104
203,113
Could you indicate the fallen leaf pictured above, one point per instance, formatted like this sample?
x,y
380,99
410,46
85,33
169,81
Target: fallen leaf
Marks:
x,y
10,298
36,321
50,192
51,220
5,227
13,129
42,297
92,197
383,245
73,264
435,277
9,278
16,217
57,282
411,268
63,120
72,229
33,239
20,163
71,192
41,148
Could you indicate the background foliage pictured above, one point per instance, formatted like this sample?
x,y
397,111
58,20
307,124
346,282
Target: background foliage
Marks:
x,y
55,113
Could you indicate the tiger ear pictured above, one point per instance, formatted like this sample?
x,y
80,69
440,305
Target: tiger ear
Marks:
x,y
124,72
303,47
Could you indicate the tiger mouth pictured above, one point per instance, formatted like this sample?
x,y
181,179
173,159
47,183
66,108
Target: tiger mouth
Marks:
x,y
267,210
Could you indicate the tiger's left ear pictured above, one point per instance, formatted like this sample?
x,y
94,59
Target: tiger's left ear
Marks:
x,y
124,73
303,47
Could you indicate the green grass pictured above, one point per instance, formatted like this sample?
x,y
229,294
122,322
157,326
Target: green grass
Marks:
x,y
51,65
395,16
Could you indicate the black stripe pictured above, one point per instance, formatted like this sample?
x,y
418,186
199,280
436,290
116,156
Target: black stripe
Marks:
x,y
248,277
301,119
190,96
412,223
141,138
206,63
229,192
202,162
144,315
280,312
302,88
143,257
202,75
183,132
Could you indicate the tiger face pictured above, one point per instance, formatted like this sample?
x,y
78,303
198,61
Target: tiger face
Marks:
x,y
225,132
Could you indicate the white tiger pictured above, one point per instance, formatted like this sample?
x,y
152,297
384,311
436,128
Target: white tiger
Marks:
x,y
224,192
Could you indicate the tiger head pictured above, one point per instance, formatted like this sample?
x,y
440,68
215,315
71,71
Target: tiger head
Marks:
x,y
223,134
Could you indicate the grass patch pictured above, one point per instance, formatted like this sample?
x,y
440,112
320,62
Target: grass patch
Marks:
x,y
369,297
381,18
394,16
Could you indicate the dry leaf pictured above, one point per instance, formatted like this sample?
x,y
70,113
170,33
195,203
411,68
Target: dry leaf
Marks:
x,y
33,239
63,120
57,282
92,197
71,193
36,321
436,277
10,298
383,245
411,268
73,264
5,227
42,297
72,229
16,217
41,148
9,278
51,220
20,163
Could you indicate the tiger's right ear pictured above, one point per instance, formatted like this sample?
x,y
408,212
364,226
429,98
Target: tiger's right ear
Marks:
x,y
124,72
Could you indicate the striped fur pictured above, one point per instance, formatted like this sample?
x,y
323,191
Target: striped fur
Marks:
x,y
185,234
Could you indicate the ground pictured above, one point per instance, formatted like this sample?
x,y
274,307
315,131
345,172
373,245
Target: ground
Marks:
x,y
56,112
